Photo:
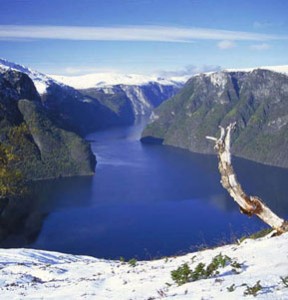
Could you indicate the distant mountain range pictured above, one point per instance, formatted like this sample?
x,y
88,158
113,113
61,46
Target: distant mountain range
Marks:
x,y
142,93
40,120
256,99
100,80
76,111
109,99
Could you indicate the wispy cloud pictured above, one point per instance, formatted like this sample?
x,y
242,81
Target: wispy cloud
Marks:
x,y
130,33
260,47
226,44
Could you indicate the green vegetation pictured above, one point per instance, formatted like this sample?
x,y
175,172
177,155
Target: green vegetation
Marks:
x,y
132,262
34,144
255,100
122,259
11,180
284,280
259,234
49,151
253,290
118,104
231,288
184,274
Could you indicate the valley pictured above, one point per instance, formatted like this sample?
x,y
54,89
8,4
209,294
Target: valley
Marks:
x,y
156,177
150,197
143,150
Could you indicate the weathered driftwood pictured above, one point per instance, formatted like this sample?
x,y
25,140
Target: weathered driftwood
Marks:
x,y
250,205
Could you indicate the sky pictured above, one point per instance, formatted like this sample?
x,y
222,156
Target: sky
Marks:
x,y
74,37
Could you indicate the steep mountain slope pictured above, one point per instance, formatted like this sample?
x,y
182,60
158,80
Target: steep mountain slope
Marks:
x,y
256,100
71,109
44,149
144,93
143,98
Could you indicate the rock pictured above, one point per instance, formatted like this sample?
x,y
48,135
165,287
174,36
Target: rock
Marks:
x,y
256,100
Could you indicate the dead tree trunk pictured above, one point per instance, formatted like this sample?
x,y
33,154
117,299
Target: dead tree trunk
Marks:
x,y
250,205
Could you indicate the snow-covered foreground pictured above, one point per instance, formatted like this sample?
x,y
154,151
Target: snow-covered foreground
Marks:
x,y
35,274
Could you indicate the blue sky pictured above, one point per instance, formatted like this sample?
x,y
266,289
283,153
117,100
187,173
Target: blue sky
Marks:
x,y
72,37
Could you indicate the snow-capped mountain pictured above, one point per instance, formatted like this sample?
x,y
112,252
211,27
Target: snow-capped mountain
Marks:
x,y
143,98
144,92
71,108
257,269
99,80
40,80
108,80
279,69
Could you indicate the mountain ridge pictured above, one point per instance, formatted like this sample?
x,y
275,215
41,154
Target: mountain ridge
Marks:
x,y
256,100
70,108
45,149
96,80
86,110
100,80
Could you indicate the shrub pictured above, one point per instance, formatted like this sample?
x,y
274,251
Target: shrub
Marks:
x,y
284,280
231,288
253,290
182,274
132,262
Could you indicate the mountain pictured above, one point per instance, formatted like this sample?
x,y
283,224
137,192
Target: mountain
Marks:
x,y
144,93
71,109
279,69
257,100
38,274
98,80
43,148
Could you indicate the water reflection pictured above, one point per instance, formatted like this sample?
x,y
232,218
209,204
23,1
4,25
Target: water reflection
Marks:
x,y
21,219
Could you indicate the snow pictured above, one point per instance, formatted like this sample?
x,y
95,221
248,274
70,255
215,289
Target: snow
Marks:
x,y
98,80
101,80
37,274
41,81
279,69
218,79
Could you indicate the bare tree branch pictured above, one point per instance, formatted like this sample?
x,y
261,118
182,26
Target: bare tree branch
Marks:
x,y
250,205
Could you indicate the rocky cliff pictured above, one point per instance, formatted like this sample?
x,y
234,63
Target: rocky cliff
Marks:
x,y
142,98
44,148
256,100
69,108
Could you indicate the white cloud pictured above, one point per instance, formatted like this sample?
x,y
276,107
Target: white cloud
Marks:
x,y
226,44
260,47
190,70
130,33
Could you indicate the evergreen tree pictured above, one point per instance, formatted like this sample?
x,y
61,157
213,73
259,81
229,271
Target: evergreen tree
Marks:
x,y
11,179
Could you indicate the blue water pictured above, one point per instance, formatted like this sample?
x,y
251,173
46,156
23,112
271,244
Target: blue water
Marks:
x,y
147,201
